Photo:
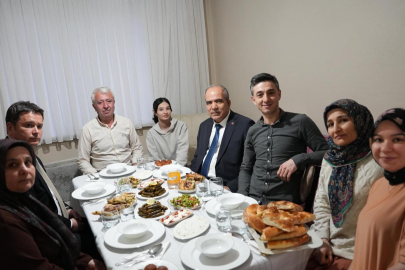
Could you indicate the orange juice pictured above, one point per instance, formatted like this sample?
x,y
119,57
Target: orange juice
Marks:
x,y
173,179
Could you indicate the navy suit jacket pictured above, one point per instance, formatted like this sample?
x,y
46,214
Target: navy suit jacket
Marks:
x,y
230,153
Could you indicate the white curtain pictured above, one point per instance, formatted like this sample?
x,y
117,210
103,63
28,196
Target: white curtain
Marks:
x,y
56,52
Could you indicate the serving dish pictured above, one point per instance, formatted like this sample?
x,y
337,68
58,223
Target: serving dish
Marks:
x,y
175,217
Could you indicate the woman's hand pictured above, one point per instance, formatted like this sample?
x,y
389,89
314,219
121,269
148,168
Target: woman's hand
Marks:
x,y
95,265
323,255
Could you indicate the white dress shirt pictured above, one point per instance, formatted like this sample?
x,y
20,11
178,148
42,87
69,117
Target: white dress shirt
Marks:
x,y
100,145
211,171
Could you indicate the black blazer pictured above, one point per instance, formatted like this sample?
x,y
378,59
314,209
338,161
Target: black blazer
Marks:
x,y
230,153
41,191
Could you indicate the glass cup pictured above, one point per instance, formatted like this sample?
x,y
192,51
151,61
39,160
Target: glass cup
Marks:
x,y
140,163
173,179
150,166
216,186
202,189
238,225
124,185
110,218
127,213
223,219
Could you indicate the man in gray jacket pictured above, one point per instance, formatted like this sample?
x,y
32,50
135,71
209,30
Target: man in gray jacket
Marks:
x,y
275,153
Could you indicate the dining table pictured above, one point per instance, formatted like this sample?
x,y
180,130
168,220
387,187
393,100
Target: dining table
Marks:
x,y
295,260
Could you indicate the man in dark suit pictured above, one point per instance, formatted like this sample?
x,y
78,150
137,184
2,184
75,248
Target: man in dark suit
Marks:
x,y
24,121
220,140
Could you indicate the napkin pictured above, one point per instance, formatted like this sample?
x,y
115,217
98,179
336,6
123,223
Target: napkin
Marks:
x,y
165,246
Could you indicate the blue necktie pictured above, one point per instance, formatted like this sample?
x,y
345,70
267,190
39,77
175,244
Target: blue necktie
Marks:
x,y
206,165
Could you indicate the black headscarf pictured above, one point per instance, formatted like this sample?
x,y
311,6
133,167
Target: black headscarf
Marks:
x,y
32,211
344,158
397,116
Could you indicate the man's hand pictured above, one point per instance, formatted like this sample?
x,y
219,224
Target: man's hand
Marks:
x,y
75,225
286,170
95,265
227,188
323,255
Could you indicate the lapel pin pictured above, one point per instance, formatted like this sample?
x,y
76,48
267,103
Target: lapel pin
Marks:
x,y
232,123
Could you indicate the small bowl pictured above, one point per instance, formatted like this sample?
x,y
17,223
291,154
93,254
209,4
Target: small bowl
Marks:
x,y
94,188
231,200
135,228
116,167
214,245
165,169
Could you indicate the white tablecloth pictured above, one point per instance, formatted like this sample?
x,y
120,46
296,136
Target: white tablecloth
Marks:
x,y
288,261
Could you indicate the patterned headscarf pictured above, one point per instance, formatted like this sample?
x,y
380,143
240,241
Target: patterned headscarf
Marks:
x,y
32,211
397,116
344,158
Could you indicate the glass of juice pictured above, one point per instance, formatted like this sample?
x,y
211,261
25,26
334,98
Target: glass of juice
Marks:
x,y
173,179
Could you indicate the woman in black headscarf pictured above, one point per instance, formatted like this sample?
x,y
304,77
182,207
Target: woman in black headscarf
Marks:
x,y
380,238
347,174
32,237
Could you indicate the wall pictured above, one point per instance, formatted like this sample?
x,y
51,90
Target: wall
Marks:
x,y
320,51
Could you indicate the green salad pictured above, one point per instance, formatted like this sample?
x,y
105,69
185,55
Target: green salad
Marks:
x,y
186,200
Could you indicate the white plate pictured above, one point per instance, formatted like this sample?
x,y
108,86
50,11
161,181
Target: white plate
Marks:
x,y
155,218
144,184
107,173
159,173
213,206
202,221
115,239
175,222
81,194
142,174
186,191
173,162
157,197
193,258
315,242
158,263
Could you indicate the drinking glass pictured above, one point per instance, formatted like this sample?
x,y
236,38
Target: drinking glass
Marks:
x,y
124,185
216,186
202,189
110,218
150,166
127,213
238,225
173,179
140,163
223,219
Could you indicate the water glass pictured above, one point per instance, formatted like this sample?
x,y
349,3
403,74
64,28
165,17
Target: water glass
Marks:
x,y
150,166
216,186
127,213
223,219
124,185
110,218
140,163
173,179
202,189
238,225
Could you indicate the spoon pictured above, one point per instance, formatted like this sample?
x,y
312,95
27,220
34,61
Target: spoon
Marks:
x,y
238,235
151,251
151,254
